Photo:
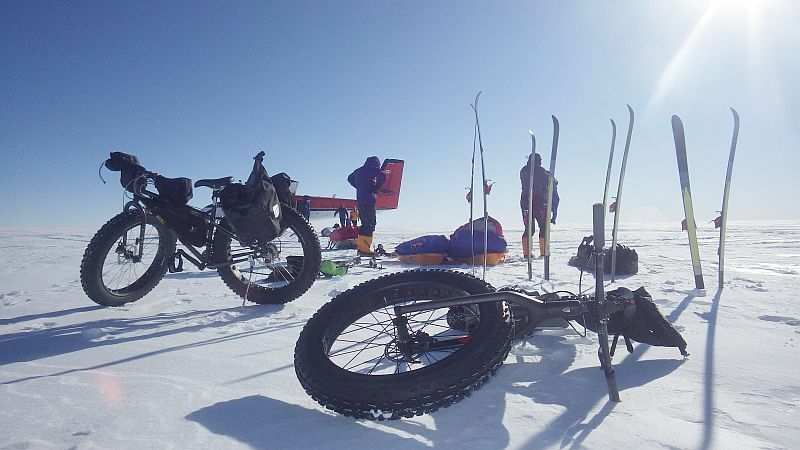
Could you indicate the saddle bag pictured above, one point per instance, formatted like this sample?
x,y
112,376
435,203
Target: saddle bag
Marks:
x,y
253,209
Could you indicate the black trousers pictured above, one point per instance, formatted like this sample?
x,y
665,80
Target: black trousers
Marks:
x,y
539,219
368,221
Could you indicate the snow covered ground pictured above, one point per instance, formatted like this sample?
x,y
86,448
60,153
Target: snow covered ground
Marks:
x,y
188,367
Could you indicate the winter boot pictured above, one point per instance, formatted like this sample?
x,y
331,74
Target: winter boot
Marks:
x,y
525,247
363,243
541,247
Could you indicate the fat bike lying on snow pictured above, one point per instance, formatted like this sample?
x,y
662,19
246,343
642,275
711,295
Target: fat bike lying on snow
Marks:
x,y
411,342
262,248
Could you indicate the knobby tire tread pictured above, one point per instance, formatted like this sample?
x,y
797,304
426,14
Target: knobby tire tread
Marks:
x,y
103,241
407,394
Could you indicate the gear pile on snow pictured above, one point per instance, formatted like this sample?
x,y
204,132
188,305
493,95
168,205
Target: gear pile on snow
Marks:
x,y
627,258
465,245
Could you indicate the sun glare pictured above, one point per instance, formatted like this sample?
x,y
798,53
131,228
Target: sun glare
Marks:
x,y
731,16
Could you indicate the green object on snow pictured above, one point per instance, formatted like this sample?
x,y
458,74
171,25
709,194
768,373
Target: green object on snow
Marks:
x,y
329,269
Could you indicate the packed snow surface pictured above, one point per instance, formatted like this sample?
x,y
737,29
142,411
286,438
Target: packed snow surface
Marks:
x,y
188,366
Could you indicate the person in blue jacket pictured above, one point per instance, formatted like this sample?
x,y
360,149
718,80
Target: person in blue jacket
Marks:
x,y
368,180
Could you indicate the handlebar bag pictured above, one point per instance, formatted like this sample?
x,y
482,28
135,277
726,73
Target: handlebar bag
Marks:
x,y
253,209
177,191
129,168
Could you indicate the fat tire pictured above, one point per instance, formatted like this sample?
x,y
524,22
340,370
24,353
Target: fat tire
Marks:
x,y
263,295
103,242
408,394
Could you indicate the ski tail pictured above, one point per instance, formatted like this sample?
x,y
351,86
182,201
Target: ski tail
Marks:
x,y
686,193
389,195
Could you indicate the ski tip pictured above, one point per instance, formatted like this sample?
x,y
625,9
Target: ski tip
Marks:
x,y
555,120
613,124
530,132
676,121
630,110
735,114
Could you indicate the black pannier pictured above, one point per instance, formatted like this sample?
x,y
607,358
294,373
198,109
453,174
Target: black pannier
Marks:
x,y
283,184
641,321
253,209
129,168
177,191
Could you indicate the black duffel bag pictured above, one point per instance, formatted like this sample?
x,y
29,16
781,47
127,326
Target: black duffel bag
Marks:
x,y
253,209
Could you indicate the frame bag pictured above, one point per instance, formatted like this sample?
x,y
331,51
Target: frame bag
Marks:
x,y
253,209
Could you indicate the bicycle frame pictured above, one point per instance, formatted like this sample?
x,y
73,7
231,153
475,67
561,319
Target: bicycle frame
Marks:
x,y
148,202
538,309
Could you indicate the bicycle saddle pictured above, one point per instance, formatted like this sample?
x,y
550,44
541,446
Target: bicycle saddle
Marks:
x,y
214,183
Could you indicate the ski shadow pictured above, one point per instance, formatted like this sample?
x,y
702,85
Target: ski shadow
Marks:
x,y
708,392
263,422
31,345
50,314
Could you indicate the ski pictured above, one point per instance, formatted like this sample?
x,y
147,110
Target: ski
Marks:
x,y
686,195
483,189
615,230
529,235
726,192
610,160
550,182
471,195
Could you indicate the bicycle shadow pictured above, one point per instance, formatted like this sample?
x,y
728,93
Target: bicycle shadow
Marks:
x,y
478,419
50,314
630,373
31,345
263,422
191,275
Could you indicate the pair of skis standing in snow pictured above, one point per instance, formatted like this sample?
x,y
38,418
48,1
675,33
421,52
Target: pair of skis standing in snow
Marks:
x,y
552,195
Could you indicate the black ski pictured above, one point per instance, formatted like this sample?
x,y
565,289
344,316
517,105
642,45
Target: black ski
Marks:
x,y
610,160
529,236
550,182
686,195
483,190
615,230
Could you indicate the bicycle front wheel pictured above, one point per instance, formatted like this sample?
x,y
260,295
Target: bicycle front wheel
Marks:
x,y
119,265
349,359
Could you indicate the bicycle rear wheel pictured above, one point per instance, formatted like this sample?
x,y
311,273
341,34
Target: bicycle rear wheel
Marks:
x,y
283,269
349,360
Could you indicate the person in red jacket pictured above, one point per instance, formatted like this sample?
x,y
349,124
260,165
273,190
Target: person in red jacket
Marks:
x,y
368,180
539,204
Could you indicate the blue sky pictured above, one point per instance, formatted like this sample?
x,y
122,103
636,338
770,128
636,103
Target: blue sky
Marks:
x,y
196,88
